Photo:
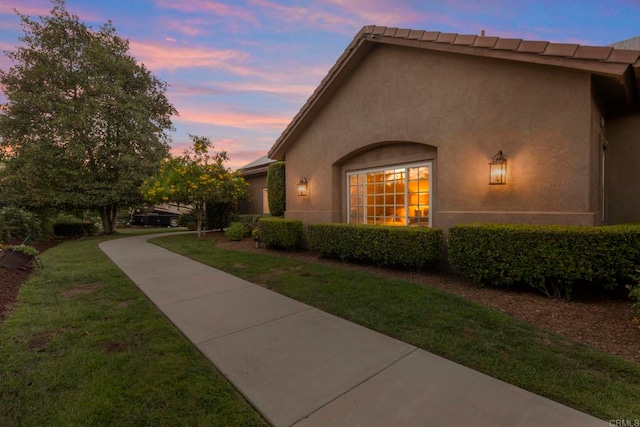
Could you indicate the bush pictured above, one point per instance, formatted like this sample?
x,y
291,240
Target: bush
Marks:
x,y
276,188
279,232
24,249
549,258
74,228
634,294
218,214
185,219
4,230
402,247
249,220
236,231
19,224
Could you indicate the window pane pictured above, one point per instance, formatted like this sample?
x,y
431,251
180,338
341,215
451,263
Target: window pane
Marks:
x,y
380,196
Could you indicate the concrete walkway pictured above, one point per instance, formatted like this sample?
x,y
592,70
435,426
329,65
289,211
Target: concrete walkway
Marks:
x,y
300,366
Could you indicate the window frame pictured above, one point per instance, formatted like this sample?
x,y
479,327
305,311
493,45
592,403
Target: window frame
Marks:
x,y
406,166
265,201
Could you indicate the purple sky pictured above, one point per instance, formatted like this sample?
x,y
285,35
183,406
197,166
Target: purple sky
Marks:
x,y
239,70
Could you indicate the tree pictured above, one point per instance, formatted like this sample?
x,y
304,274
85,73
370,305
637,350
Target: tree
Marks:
x,y
196,178
84,124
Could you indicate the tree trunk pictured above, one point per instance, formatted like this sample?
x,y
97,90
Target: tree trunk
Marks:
x,y
199,218
108,216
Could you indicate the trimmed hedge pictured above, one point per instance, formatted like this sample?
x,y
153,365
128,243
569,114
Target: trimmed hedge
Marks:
x,y
276,188
74,229
279,232
549,258
401,247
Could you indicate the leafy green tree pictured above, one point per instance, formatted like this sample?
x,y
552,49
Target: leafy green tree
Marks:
x,y
196,178
84,124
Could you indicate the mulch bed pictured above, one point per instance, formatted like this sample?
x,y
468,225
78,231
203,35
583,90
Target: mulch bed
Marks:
x,y
12,279
605,322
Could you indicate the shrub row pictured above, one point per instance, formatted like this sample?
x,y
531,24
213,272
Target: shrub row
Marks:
x,y
403,247
279,232
74,229
549,258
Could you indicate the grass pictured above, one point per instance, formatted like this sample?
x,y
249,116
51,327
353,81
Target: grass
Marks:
x,y
85,347
481,338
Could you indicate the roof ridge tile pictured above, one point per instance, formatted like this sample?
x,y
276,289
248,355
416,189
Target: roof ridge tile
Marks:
x,y
507,44
484,41
390,32
430,36
446,38
416,34
532,46
465,39
560,49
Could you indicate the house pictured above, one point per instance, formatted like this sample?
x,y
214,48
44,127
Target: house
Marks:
x,y
255,173
404,127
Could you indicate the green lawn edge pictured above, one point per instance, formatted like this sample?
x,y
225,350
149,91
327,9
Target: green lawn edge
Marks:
x,y
485,339
86,347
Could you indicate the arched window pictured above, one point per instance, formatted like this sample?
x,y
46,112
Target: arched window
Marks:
x,y
399,195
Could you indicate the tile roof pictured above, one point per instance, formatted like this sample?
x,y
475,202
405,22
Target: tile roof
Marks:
x,y
611,62
632,43
257,166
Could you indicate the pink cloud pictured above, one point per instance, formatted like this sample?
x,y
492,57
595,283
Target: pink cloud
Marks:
x,y
36,8
293,92
189,27
5,62
241,120
208,7
169,56
312,16
191,90
297,90
380,12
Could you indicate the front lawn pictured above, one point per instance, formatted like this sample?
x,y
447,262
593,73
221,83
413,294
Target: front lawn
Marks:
x,y
85,347
481,338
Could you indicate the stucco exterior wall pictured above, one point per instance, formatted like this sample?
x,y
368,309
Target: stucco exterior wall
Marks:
x,y
623,170
462,110
254,204
598,140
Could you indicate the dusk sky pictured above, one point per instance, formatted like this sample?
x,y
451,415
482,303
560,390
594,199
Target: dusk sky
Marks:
x,y
239,70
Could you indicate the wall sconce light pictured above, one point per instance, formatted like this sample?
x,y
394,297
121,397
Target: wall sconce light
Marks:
x,y
303,187
498,169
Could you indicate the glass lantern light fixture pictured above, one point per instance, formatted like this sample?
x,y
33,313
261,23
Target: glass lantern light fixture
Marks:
x,y
303,187
498,169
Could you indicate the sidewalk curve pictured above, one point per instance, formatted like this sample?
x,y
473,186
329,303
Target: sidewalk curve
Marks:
x,y
300,366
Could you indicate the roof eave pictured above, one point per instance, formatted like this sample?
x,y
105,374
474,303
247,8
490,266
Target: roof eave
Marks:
x,y
615,65
254,171
599,67
356,49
